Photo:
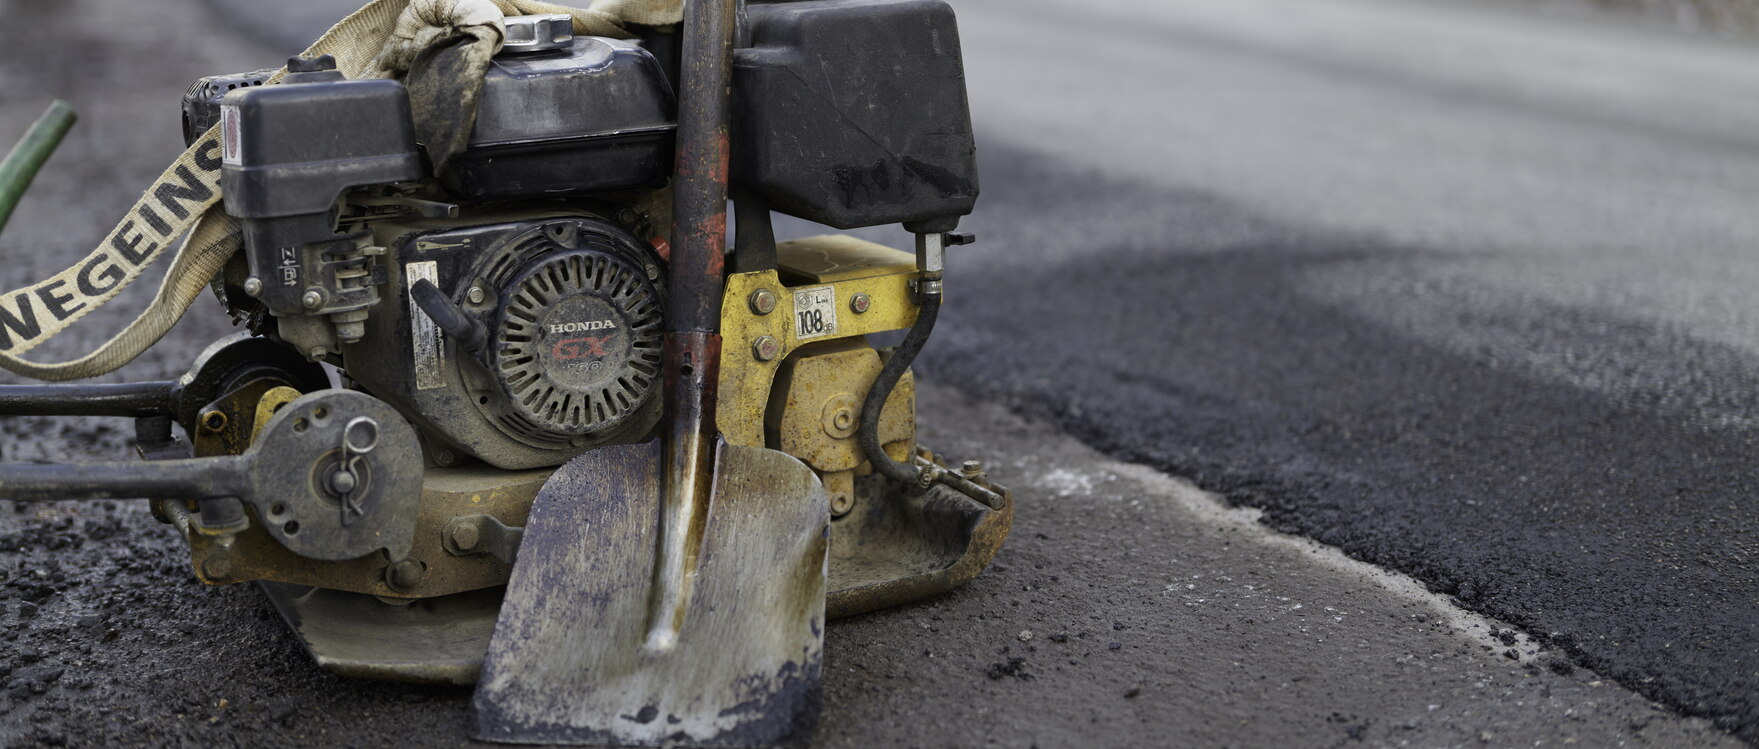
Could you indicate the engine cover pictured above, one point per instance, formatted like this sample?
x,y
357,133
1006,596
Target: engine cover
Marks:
x,y
571,311
576,346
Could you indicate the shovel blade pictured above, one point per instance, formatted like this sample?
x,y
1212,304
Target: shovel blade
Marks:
x,y
568,662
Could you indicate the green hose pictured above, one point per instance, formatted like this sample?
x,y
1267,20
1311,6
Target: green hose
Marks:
x,y
27,157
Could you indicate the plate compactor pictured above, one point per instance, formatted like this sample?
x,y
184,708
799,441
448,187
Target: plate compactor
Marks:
x,y
517,416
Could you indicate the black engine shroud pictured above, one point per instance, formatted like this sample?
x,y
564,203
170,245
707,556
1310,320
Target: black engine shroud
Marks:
x,y
571,359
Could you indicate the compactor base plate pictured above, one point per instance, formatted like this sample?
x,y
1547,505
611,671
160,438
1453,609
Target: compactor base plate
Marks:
x,y
896,546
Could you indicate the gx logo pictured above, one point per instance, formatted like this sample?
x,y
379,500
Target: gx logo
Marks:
x,y
569,349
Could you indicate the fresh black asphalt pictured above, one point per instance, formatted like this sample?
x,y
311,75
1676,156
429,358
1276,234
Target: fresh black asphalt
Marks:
x,y
1622,531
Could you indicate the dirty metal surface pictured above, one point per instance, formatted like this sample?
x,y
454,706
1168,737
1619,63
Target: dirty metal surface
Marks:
x,y
427,641
835,270
895,546
898,546
816,407
839,257
234,359
446,493
567,663
271,401
229,425
286,478
302,448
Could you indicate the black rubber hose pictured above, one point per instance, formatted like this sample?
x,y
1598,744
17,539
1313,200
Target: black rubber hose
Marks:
x,y
882,390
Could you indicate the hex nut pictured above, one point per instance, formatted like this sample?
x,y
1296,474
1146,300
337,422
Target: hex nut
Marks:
x,y
253,286
313,299
465,536
766,348
475,295
763,301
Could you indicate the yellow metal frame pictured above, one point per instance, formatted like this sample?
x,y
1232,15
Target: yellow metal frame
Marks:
x,y
850,266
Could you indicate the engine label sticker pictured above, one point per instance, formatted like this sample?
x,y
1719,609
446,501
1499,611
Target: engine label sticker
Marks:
x,y
815,312
231,139
428,341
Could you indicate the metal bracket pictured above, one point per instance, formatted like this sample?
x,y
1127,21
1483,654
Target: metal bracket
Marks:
x,y
970,481
275,477
876,275
474,535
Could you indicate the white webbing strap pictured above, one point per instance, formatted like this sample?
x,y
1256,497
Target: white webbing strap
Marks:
x,y
185,198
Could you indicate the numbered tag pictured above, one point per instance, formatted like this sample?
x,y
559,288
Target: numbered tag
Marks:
x,y
815,312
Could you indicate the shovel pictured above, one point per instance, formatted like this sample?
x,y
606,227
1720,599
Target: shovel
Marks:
x,y
671,593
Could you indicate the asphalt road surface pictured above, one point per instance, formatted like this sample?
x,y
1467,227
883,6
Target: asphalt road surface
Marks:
x,y
1446,301
1459,291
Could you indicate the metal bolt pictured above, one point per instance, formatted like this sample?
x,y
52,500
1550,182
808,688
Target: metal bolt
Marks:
x,y
840,415
860,303
404,575
653,273
217,566
928,475
475,295
342,483
317,353
313,299
763,301
465,536
213,421
443,457
253,286
766,348
971,469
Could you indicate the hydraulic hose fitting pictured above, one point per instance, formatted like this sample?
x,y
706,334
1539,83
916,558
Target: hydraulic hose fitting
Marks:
x,y
930,262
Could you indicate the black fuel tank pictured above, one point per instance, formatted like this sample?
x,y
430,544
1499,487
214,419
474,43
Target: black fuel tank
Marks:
x,y
594,116
853,112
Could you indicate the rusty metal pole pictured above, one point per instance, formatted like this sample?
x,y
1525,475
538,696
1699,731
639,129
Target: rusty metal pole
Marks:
x,y
692,341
